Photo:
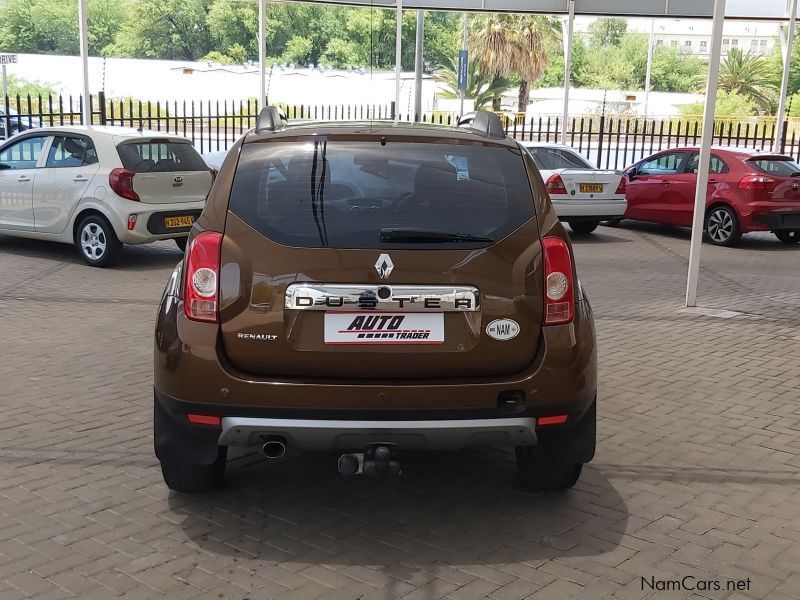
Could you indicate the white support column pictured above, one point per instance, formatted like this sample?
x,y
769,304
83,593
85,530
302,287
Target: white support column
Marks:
x,y
650,48
398,63
83,31
567,68
418,65
463,47
787,60
705,154
262,53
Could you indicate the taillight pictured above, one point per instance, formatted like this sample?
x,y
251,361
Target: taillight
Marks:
x,y
758,182
559,291
555,185
201,285
621,187
121,181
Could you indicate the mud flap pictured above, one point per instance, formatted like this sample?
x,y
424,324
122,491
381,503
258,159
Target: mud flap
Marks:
x,y
177,441
576,443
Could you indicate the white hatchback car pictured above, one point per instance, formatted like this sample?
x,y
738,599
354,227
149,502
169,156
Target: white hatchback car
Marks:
x,y
100,187
582,194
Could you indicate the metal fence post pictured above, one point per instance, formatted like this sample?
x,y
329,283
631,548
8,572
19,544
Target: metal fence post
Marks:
x,y
600,132
101,101
393,107
784,131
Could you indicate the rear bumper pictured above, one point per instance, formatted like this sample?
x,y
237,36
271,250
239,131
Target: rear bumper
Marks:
x,y
149,225
331,434
776,221
603,208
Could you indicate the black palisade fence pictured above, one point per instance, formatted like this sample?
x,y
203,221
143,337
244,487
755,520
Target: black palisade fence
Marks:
x,y
609,141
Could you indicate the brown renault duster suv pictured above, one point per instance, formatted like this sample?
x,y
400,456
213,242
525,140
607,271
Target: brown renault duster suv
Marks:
x,y
369,288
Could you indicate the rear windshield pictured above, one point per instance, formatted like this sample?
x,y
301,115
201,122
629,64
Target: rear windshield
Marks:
x,y
349,194
778,166
159,156
550,159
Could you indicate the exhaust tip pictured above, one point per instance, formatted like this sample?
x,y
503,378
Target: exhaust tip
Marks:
x,y
274,449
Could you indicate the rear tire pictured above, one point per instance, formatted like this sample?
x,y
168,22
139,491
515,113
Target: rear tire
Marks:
x,y
96,241
788,236
722,226
190,478
583,227
541,473
181,243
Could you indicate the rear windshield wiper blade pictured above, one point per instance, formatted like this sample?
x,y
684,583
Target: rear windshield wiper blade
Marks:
x,y
422,236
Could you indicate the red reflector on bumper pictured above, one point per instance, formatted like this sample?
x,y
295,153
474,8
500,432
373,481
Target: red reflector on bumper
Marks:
x,y
554,420
203,419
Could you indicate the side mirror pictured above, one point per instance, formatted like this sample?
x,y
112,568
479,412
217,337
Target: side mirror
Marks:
x,y
631,174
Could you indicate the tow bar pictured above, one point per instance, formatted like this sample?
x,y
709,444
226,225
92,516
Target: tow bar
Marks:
x,y
377,459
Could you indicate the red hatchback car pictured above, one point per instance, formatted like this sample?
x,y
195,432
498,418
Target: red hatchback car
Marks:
x,y
747,191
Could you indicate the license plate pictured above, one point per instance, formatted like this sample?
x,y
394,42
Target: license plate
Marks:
x,y
384,328
591,188
177,222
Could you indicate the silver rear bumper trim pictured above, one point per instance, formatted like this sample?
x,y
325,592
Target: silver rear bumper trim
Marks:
x,y
313,434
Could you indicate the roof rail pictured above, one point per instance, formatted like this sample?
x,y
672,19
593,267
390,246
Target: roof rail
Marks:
x,y
271,118
485,123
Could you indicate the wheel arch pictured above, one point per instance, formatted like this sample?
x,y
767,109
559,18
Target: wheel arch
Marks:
x,y
87,212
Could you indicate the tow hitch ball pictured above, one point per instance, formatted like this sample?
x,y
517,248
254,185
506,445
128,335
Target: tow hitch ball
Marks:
x,y
377,459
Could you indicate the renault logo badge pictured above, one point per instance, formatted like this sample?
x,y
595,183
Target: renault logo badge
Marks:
x,y
384,266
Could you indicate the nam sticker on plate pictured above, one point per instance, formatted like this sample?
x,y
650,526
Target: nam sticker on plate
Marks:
x,y
384,328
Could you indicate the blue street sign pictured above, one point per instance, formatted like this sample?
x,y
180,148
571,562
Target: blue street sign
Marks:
x,y
462,70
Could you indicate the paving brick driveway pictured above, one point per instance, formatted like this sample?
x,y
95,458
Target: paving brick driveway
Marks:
x,y
697,471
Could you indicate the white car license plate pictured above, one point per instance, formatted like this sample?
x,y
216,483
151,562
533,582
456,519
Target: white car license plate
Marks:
x,y
384,328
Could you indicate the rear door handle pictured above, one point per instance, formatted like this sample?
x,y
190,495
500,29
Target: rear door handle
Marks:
x,y
664,182
79,178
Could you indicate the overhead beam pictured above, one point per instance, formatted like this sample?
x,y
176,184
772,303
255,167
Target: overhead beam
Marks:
x,y
673,9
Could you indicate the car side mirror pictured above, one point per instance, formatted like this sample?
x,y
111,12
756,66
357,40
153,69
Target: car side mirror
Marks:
x,y
631,174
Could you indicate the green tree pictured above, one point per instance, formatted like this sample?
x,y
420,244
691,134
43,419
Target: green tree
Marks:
x,y
342,53
482,88
297,50
747,75
51,26
728,104
171,29
19,86
505,45
607,32
676,72
232,23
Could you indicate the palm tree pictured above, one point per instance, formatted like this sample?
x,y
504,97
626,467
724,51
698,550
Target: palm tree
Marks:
x,y
507,45
747,75
481,87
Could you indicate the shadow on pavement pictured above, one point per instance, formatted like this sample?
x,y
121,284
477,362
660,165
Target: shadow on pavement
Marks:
x,y
133,258
763,241
458,508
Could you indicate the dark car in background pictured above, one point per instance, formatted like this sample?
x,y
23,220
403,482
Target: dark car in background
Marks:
x,y
16,122
748,191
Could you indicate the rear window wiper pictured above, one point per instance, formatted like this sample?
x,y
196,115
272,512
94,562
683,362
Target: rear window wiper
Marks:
x,y
423,236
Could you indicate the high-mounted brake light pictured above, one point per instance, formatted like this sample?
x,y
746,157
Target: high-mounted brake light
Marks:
x,y
758,182
121,181
555,185
201,286
621,187
559,305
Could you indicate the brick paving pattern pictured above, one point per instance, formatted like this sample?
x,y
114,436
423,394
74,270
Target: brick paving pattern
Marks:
x,y
696,471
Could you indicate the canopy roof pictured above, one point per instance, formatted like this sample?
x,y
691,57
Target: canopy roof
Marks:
x,y
687,9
